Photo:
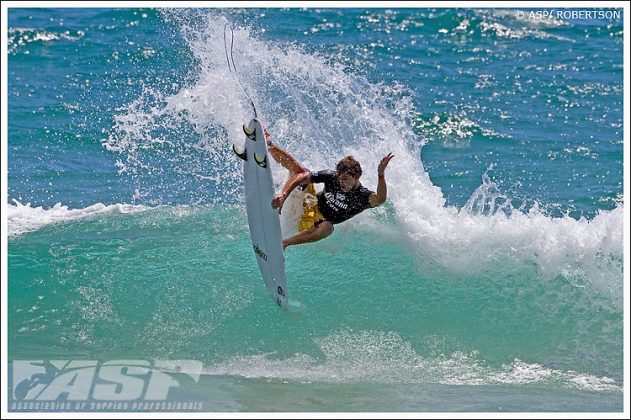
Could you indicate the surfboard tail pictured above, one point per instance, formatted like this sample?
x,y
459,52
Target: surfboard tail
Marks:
x,y
260,160
250,130
240,151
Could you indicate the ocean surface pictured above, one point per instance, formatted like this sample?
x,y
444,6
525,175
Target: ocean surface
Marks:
x,y
491,280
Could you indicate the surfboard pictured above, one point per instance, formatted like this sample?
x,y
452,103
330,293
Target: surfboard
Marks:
x,y
264,221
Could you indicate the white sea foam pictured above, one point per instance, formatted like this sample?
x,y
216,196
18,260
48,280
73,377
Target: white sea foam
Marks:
x,y
23,218
18,38
384,357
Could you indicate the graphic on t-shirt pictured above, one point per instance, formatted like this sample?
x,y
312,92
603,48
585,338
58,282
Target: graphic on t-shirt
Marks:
x,y
337,205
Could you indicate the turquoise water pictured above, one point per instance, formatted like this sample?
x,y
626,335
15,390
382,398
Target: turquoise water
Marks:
x,y
492,280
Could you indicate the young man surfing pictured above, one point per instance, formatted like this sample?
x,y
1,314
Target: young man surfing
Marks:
x,y
343,195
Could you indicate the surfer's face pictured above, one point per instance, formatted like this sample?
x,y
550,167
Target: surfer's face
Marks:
x,y
347,181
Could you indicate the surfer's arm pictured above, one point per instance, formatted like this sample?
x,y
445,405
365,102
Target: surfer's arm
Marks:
x,y
378,198
302,178
290,185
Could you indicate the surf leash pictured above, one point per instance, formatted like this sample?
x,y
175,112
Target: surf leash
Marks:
x,y
232,67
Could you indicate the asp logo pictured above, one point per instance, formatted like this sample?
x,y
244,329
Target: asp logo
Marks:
x,y
83,380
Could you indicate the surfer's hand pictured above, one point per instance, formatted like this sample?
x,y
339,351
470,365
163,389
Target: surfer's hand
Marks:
x,y
278,201
383,164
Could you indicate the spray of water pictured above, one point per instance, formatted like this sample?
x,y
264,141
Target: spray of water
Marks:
x,y
320,112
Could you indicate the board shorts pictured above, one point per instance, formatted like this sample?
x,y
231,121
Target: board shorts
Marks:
x,y
311,216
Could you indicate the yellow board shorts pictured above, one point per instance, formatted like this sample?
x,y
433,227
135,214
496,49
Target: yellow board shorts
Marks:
x,y
311,216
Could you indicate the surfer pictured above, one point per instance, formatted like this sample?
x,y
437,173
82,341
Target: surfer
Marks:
x,y
343,195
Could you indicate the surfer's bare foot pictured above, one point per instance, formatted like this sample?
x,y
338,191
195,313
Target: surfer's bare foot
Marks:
x,y
285,244
267,139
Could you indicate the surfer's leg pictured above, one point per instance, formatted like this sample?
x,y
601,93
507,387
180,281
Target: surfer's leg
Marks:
x,y
321,231
285,159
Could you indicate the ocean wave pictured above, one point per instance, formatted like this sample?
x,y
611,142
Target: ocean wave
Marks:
x,y
384,357
18,38
320,112
23,218
499,24
472,240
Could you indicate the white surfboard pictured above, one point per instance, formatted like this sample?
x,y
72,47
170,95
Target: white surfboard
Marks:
x,y
264,221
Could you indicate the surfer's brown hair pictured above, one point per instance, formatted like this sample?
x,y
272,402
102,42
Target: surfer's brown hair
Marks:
x,y
350,166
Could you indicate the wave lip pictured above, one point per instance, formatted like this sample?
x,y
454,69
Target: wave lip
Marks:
x,y
23,218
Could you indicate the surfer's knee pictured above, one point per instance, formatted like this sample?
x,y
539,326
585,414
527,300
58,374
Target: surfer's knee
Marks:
x,y
326,228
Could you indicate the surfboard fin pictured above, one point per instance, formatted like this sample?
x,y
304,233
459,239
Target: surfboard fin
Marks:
x,y
260,160
250,132
239,151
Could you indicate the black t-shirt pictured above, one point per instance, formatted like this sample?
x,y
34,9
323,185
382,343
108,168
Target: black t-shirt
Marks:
x,y
337,205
